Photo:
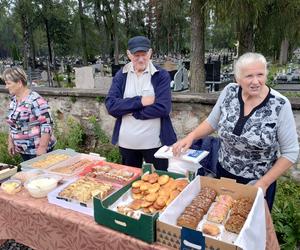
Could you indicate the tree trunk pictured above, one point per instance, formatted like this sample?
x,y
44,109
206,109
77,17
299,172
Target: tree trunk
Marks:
x,y
245,28
116,30
126,19
284,49
197,46
26,40
150,19
246,38
33,61
83,34
22,11
48,41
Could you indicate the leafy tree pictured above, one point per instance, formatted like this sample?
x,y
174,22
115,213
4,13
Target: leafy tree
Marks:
x,y
10,39
23,9
278,29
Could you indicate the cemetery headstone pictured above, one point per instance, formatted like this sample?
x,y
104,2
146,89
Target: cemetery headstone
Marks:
x,y
84,78
178,80
44,75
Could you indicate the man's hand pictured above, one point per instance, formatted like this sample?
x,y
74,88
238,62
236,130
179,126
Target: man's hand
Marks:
x,y
41,150
148,100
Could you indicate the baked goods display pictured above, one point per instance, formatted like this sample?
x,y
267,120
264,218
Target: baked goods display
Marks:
x,y
71,168
49,160
153,192
195,211
235,224
84,189
218,213
225,199
129,212
112,172
209,211
211,229
220,210
238,215
241,207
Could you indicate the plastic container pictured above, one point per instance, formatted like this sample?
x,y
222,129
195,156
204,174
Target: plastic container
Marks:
x,y
74,165
41,185
23,176
47,160
11,186
7,170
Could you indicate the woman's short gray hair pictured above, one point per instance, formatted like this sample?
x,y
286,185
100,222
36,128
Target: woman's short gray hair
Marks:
x,y
15,74
246,59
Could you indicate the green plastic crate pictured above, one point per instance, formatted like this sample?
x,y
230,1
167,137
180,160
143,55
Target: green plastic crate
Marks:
x,y
144,228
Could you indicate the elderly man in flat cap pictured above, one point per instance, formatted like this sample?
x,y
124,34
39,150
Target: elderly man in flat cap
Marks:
x,y
140,100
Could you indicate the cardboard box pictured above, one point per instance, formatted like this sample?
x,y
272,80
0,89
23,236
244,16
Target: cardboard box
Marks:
x,y
144,228
173,236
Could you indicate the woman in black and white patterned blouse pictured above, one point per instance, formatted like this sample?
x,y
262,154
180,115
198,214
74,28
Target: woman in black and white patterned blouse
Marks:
x,y
256,127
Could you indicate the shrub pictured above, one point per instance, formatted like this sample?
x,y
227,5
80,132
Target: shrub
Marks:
x,y
286,214
103,145
71,137
4,156
98,132
110,152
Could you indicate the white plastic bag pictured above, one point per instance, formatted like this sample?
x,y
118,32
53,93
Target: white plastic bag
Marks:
x,y
182,167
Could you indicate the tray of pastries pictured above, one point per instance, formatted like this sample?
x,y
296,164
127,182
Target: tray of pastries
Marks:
x,y
151,194
238,215
217,216
47,160
83,189
199,206
73,165
112,172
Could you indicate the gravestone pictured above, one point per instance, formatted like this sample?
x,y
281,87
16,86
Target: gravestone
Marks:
x,y
213,75
44,75
61,67
178,80
84,77
98,67
185,79
213,71
103,82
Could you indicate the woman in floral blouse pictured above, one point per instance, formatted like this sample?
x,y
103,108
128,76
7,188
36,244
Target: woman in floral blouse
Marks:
x,y
29,119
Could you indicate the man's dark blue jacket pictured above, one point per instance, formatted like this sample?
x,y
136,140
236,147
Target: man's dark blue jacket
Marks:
x,y
117,106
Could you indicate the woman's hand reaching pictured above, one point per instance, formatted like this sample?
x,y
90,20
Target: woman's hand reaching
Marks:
x,y
182,145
